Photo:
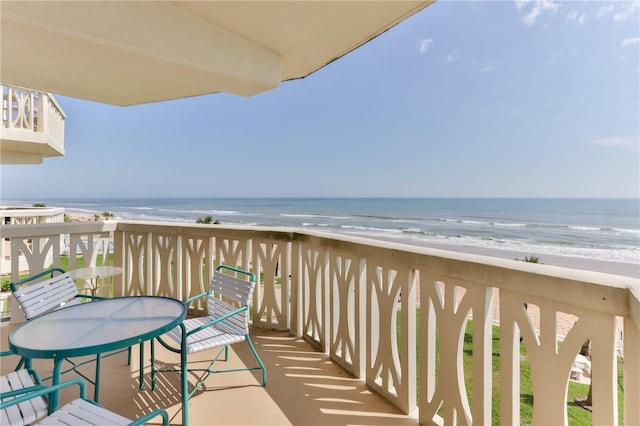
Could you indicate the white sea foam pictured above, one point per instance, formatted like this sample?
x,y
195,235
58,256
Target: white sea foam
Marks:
x,y
313,216
627,231
579,228
511,225
621,254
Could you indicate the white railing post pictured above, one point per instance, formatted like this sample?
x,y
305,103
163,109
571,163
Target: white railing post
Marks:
x,y
631,367
29,110
118,260
296,291
8,108
43,114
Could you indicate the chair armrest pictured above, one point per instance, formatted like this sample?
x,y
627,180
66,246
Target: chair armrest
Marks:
x,y
21,391
43,390
217,320
144,419
87,296
192,298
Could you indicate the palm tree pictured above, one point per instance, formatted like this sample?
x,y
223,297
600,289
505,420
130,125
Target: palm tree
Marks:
x,y
208,220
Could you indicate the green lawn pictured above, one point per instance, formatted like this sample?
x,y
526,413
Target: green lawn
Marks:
x,y
576,414
64,264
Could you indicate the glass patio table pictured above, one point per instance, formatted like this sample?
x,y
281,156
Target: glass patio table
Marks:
x,y
92,274
95,328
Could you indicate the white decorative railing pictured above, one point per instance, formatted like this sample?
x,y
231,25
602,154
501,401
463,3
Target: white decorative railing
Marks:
x,y
30,215
346,295
19,108
53,119
24,215
33,111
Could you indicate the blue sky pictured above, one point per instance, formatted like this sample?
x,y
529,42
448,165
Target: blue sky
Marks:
x,y
464,99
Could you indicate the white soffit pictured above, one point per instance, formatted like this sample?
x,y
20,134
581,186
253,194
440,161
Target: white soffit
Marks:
x,y
127,53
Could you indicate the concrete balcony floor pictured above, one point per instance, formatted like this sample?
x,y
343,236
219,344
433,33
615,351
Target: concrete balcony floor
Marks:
x,y
303,387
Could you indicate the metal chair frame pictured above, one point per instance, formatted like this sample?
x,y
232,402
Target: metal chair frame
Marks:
x,y
229,324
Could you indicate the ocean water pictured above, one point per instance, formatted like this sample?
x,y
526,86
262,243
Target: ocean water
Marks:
x,y
602,229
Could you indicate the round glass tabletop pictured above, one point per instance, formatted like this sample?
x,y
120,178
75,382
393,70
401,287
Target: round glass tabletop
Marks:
x,y
92,272
96,327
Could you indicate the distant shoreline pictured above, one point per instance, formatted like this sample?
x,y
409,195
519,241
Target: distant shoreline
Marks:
x,y
616,268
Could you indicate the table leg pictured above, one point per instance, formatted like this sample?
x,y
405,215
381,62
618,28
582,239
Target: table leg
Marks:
x,y
55,396
141,384
184,385
96,384
153,366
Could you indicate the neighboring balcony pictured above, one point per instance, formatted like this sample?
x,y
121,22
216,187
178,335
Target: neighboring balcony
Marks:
x,y
32,126
336,318
24,215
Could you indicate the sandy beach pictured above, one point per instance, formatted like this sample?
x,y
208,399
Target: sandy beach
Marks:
x,y
616,268
82,217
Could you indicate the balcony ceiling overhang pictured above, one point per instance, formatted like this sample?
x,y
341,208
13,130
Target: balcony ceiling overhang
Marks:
x,y
128,53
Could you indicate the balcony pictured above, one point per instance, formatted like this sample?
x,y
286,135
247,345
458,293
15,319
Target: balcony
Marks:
x,y
24,215
339,320
304,388
32,126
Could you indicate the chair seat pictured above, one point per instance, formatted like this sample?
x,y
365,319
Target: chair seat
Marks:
x,y
26,412
80,413
211,337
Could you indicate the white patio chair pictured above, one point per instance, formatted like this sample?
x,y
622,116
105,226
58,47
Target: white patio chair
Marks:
x,y
20,380
78,412
227,323
37,297
59,290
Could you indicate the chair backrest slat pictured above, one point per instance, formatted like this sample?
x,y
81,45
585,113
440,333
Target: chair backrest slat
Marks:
x,y
47,295
228,294
25,412
232,287
218,308
10,415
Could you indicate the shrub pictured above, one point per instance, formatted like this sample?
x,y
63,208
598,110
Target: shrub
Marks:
x,y
206,220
